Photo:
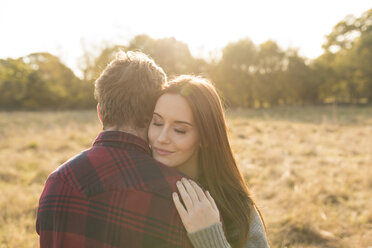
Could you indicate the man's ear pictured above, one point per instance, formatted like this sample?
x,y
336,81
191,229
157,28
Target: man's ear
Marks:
x,y
99,113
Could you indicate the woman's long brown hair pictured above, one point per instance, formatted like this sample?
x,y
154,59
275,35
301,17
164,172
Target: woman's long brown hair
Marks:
x,y
219,173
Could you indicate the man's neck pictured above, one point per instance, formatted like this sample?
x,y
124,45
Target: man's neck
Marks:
x,y
141,133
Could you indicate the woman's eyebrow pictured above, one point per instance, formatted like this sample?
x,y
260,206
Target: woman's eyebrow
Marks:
x,y
158,114
184,122
179,122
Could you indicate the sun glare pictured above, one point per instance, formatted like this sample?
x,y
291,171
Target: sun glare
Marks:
x,y
63,28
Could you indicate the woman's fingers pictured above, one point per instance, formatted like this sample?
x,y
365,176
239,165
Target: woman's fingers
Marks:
x,y
211,200
200,210
190,190
198,191
184,195
181,210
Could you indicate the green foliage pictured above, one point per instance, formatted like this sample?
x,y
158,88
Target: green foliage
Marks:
x,y
301,83
262,76
41,81
348,59
265,75
172,55
233,74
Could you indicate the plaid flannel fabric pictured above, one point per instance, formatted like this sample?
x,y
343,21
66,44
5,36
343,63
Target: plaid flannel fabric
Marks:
x,y
112,195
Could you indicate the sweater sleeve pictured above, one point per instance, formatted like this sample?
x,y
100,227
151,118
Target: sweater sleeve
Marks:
x,y
257,235
209,237
214,237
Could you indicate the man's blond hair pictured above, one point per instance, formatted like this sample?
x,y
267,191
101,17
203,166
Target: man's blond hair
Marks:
x,y
127,90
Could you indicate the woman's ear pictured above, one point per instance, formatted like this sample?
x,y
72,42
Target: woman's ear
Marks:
x,y
99,113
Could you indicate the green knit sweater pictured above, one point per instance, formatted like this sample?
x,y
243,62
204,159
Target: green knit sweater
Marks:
x,y
214,237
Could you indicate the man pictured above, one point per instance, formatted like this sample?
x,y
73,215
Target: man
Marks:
x,y
115,194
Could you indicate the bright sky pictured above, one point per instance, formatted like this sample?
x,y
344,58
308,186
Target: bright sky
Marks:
x,y
61,27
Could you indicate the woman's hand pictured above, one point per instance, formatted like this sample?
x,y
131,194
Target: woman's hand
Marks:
x,y
201,210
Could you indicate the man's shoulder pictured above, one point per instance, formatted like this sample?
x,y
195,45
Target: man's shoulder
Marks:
x,y
101,169
64,173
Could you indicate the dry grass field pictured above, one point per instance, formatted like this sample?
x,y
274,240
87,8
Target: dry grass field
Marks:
x,y
309,170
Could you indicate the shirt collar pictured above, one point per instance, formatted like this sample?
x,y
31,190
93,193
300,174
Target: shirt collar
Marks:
x,y
121,139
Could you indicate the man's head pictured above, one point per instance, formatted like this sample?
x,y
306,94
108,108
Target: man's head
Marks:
x,y
127,89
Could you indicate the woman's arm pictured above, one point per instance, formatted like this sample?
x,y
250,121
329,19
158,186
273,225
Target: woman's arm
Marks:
x,y
202,219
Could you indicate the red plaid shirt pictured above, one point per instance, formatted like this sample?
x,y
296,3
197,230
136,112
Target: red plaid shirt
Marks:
x,y
112,195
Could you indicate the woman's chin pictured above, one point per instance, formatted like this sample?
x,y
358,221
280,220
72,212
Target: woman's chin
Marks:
x,y
163,161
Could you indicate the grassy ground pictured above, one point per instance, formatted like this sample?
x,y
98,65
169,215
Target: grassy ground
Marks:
x,y
309,170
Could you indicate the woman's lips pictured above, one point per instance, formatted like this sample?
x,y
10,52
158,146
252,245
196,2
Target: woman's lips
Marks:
x,y
162,152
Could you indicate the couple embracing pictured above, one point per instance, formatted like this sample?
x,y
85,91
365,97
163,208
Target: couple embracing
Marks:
x,y
160,174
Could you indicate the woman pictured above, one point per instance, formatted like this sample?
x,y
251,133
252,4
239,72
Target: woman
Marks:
x,y
188,132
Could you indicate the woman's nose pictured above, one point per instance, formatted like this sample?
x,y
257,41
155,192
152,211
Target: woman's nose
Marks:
x,y
163,136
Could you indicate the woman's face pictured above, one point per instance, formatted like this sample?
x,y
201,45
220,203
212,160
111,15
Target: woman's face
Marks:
x,y
173,137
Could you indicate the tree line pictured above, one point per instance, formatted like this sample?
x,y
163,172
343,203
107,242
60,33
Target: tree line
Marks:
x,y
246,74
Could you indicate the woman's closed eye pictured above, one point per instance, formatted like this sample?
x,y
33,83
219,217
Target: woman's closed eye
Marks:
x,y
177,130
158,124
180,131
180,128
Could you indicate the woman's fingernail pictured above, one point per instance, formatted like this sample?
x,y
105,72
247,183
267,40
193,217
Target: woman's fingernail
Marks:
x,y
174,195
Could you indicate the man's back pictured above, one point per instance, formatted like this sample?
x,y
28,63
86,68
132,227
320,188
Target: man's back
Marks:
x,y
112,195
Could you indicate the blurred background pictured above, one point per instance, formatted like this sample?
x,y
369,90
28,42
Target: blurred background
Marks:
x,y
295,76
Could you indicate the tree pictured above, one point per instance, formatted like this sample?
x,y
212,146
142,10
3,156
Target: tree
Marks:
x,y
233,74
269,73
14,74
54,86
301,84
172,55
348,54
361,54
